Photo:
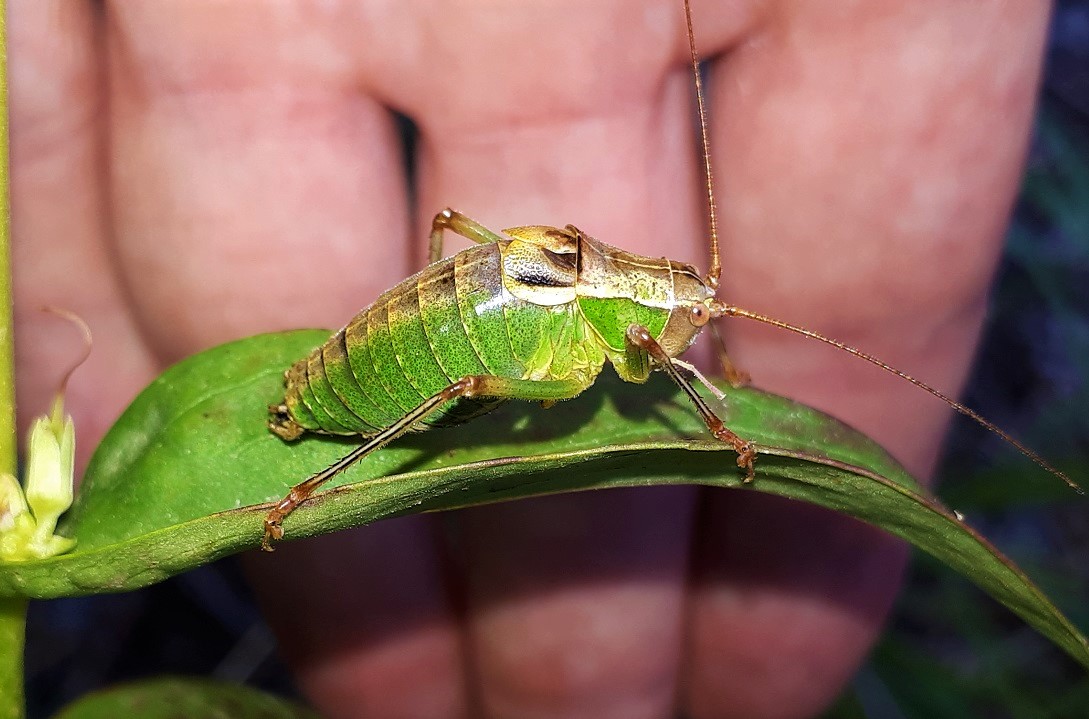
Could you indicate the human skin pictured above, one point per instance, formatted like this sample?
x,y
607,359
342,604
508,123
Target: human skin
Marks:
x,y
186,172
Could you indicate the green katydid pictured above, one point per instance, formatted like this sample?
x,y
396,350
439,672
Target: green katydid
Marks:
x,y
532,313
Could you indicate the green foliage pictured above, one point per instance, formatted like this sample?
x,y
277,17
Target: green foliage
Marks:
x,y
185,475
179,697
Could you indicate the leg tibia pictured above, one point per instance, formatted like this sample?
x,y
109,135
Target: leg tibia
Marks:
x,y
459,224
471,386
746,451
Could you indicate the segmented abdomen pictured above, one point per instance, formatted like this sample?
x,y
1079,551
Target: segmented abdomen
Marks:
x,y
451,320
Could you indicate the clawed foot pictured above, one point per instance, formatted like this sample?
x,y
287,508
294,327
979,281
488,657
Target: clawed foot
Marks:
x,y
746,455
273,531
282,424
746,451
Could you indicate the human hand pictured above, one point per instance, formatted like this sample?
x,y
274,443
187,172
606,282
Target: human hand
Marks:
x,y
246,175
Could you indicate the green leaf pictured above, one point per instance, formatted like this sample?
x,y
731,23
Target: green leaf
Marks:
x,y
180,697
180,479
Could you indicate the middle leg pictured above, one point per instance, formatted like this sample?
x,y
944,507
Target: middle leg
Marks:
x,y
459,224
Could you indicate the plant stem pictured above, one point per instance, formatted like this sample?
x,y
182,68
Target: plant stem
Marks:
x,y
12,609
8,439
12,637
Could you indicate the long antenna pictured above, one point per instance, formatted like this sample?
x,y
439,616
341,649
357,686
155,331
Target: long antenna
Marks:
x,y
715,270
723,310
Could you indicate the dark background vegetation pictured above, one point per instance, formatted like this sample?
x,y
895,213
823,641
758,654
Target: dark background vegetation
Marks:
x,y
949,651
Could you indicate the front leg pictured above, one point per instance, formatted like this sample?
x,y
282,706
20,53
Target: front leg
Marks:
x,y
641,338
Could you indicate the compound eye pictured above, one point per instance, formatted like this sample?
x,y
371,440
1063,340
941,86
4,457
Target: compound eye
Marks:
x,y
699,315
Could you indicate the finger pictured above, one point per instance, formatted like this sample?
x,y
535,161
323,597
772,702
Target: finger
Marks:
x,y
567,114
257,188
864,199
570,113
787,600
898,197
576,603
364,618
261,189
59,226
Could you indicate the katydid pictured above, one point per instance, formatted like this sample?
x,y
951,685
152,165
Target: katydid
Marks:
x,y
531,313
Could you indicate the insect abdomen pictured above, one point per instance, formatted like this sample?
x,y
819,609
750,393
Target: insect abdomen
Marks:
x,y
442,324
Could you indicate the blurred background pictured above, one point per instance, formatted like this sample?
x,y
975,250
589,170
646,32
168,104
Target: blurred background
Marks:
x,y
949,651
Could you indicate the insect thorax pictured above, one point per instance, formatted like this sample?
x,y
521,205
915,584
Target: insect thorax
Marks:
x,y
613,289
